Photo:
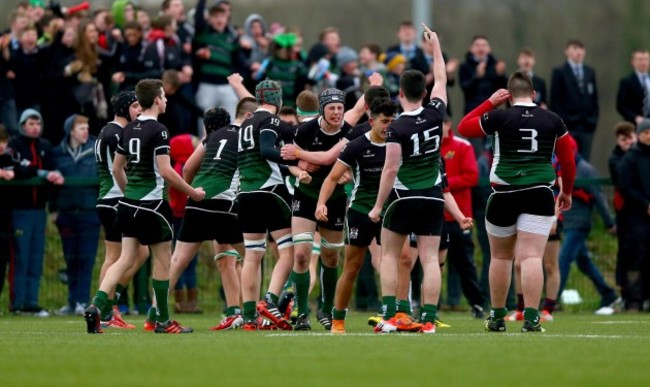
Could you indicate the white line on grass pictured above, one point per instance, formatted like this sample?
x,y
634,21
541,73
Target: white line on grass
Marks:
x,y
621,322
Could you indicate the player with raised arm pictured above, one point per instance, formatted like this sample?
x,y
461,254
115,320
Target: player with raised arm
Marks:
x,y
520,211
142,168
409,184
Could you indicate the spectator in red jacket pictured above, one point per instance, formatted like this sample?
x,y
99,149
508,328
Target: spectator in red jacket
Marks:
x,y
462,175
181,148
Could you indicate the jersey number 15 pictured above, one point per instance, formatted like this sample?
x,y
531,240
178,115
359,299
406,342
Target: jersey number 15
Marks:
x,y
415,137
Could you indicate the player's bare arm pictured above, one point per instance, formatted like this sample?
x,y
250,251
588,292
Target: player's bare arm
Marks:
x,y
330,183
388,175
176,181
193,163
119,172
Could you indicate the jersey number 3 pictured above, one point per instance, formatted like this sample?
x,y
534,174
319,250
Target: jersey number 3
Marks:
x,y
529,135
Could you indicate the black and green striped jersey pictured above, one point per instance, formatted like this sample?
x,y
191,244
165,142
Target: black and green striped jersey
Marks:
x,y
218,172
105,148
523,144
366,158
419,133
256,172
142,141
224,51
311,137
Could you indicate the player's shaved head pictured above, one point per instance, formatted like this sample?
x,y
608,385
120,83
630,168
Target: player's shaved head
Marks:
x,y
520,85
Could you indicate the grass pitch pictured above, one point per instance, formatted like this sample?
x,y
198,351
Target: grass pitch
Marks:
x,y
576,350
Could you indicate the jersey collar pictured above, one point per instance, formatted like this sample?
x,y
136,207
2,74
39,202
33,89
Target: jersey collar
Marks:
x,y
413,113
367,134
526,104
144,118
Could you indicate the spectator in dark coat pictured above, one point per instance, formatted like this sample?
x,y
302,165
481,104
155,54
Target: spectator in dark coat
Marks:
x,y
182,113
480,75
73,210
408,46
632,101
132,56
29,217
625,138
8,165
634,179
574,96
58,101
27,64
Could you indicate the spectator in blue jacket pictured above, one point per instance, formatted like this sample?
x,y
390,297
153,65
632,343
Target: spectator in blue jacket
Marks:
x,y
73,210
577,226
28,204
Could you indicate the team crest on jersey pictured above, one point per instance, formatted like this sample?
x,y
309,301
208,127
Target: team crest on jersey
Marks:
x,y
368,153
295,205
527,114
485,116
354,233
450,155
420,120
317,142
339,222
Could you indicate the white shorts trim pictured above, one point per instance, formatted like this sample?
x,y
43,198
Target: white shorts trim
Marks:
x,y
534,224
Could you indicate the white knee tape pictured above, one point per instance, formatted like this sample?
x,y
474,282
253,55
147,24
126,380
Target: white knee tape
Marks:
x,y
303,237
331,246
284,242
228,253
255,245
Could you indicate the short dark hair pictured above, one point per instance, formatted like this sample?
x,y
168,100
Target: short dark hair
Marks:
x,y
374,93
374,48
383,106
575,42
527,51
133,25
639,51
325,31
147,90
405,23
245,105
479,37
162,22
624,128
172,78
216,10
413,84
520,84
288,111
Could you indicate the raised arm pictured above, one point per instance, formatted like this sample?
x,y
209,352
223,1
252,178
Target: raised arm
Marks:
x,y
438,67
470,125
237,82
